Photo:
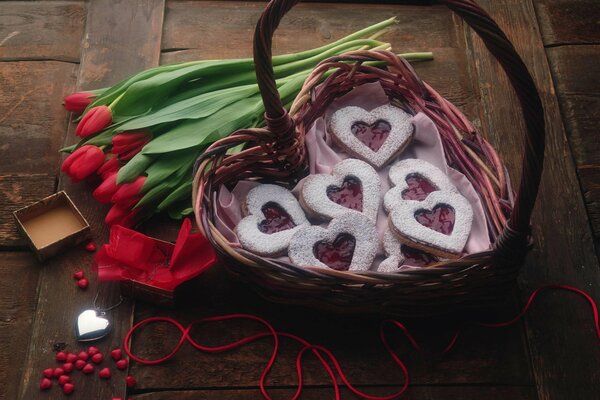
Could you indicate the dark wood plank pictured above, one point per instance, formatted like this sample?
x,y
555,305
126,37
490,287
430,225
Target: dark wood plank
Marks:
x,y
117,43
564,349
575,73
194,30
39,30
16,191
32,118
481,356
419,392
19,274
568,21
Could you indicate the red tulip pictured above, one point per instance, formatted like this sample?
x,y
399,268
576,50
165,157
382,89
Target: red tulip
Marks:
x,y
128,144
78,102
83,162
129,193
121,215
94,121
110,167
106,190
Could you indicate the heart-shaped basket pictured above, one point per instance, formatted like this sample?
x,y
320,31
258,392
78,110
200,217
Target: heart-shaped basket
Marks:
x,y
277,154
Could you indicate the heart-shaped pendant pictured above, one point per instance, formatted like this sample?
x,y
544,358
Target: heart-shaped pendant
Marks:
x,y
374,136
273,215
352,186
427,225
414,180
91,325
349,243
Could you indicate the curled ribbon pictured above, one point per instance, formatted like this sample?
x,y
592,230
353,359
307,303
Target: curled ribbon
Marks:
x,y
130,255
319,351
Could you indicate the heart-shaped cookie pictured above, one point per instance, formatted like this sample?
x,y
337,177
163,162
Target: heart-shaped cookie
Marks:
x,y
402,257
440,224
352,186
414,180
273,216
374,136
349,243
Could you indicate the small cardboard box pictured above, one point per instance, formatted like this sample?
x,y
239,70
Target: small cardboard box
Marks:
x,y
52,224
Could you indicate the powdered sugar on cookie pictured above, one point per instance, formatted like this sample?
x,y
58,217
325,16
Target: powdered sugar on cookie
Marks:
x,y
273,216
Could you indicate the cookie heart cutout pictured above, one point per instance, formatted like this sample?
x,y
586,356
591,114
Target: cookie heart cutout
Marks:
x,y
273,215
401,257
424,225
349,243
414,180
374,136
352,186
336,255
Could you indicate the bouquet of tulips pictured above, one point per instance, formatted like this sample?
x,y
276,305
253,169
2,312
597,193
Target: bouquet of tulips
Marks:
x,y
141,137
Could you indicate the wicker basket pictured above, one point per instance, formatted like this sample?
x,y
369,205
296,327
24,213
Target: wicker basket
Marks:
x,y
277,154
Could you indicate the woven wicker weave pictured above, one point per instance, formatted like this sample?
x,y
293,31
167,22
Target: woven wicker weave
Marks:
x,y
277,154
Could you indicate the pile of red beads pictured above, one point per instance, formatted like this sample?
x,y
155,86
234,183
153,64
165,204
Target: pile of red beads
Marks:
x,y
85,361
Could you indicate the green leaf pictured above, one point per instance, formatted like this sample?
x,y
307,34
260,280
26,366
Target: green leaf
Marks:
x,y
68,149
134,168
193,108
172,166
183,191
193,133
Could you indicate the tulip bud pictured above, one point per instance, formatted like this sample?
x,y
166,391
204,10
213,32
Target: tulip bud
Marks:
x,y
78,102
110,167
83,162
121,215
106,190
94,121
128,144
129,193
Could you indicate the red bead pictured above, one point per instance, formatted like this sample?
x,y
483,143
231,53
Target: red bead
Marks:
x,y
130,381
93,350
49,372
122,363
91,247
45,384
116,354
97,358
68,388
61,356
105,373
83,355
83,283
58,372
88,368
79,364
63,379
68,367
71,357
78,275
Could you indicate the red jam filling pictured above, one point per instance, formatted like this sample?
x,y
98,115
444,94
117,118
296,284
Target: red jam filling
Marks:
x,y
349,195
440,219
336,255
418,188
276,219
373,135
416,258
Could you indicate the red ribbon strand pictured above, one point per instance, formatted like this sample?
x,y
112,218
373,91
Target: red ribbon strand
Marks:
x,y
325,356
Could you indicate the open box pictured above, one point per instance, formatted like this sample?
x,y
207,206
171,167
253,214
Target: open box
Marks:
x,y
52,224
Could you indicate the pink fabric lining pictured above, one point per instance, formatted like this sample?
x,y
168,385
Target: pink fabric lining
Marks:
x,y
323,155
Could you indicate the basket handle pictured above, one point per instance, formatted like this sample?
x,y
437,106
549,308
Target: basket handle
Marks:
x,y
282,125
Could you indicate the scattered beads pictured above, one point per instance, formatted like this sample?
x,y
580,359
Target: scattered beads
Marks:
x,y
61,356
45,384
49,372
77,275
105,373
116,354
63,379
88,368
97,358
68,367
90,247
83,283
68,388
122,364
130,381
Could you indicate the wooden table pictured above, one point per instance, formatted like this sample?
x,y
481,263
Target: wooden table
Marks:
x,y
51,48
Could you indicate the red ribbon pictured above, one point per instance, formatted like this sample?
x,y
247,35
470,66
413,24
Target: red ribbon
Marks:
x,y
319,351
130,255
